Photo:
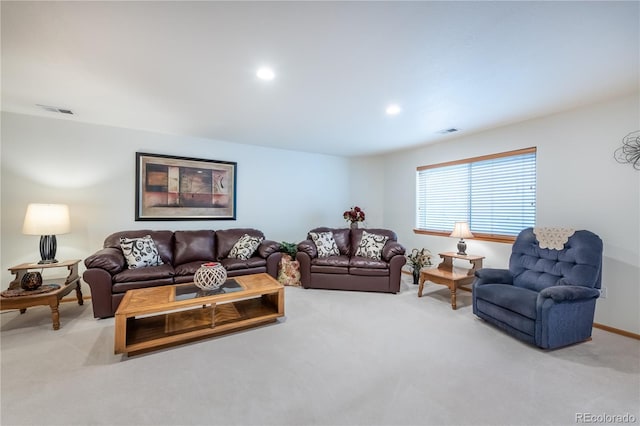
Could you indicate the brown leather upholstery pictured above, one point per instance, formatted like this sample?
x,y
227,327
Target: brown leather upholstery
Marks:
x,y
194,246
162,239
348,271
182,252
227,238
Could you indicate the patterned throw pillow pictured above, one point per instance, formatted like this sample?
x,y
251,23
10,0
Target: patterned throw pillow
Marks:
x,y
325,244
371,245
244,248
140,252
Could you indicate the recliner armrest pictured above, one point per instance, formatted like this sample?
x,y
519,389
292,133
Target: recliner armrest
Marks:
x,y
308,247
493,276
267,248
564,293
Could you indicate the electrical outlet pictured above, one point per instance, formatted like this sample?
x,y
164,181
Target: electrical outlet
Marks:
x,y
603,293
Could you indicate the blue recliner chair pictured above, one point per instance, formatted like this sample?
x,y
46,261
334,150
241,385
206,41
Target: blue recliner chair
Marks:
x,y
547,297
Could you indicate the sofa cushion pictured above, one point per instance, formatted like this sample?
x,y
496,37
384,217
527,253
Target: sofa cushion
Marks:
x,y
325,243
509,297
356,236
342,237
326,269
368,263
140,252
369,272
231,264
162,239
191,246
142,274
142,277
341,261
371,245
187,268
536,269
507,319
245,247
226,239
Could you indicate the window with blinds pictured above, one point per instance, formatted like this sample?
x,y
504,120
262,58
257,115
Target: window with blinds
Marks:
x,y
495,194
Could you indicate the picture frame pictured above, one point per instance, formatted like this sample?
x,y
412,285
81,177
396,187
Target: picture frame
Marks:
x,y
183,188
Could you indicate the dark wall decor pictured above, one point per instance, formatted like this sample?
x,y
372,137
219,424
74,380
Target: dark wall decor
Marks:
x,y
629,152
182,188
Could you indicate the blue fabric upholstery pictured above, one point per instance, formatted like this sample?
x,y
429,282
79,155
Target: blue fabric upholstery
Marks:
x,y
547,297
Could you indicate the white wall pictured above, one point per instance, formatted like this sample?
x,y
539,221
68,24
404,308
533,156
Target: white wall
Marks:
x,y
579,185
92,169
284,193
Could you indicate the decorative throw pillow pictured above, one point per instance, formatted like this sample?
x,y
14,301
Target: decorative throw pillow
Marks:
x,y
140,252
371,245
244,248
325,243
289,271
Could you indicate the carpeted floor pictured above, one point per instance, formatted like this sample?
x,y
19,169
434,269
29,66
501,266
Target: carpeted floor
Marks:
x,y
337,358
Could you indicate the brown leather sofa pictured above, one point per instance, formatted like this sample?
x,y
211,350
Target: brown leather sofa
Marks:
x,y
182,252
348,271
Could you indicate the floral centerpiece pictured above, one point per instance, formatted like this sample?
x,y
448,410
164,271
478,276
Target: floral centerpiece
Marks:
x,y
418,259
353,216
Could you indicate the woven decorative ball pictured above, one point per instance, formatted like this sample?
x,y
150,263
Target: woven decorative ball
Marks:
x,y
210,276
31,281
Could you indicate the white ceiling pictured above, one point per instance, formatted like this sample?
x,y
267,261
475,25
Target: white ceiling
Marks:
x,y
188,68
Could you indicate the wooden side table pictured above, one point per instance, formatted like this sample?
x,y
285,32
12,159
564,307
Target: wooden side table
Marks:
x,y
51,298
447,274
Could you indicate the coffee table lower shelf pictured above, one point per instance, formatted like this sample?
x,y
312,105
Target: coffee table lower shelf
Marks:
x,y
177,327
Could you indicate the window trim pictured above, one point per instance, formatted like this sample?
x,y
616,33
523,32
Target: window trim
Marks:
x,y
476,236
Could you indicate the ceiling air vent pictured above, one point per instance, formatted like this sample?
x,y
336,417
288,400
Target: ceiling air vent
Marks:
x,y
451,130
55,109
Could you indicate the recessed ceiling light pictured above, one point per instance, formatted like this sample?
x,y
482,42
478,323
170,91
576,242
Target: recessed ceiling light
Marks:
x,y
265,73
393,109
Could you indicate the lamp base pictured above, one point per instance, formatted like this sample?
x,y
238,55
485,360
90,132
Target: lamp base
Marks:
x,y
462,247
48,247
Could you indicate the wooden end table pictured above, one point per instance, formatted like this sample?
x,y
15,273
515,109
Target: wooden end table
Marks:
x,y
51,298
447,274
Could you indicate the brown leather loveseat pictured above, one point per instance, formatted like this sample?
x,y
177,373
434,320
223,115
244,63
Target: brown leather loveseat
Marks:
x,y
182,253
346,270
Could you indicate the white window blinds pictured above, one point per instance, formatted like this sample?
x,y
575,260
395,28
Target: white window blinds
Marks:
x,y
496,194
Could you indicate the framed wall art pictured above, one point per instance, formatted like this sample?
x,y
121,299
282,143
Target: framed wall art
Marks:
x,y
183,188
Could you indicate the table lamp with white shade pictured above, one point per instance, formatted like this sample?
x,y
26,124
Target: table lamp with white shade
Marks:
x,y
461,230
47,220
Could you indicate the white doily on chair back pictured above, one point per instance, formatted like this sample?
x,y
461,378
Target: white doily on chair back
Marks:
x,y
553,238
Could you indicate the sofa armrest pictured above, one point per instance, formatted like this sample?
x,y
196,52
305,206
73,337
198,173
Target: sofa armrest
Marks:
x,y
308,247
304,260
267,248
566,293
110,259
100,282
395,272
391,249
493,276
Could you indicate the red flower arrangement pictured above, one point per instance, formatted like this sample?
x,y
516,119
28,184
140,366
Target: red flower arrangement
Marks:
x,y
354,215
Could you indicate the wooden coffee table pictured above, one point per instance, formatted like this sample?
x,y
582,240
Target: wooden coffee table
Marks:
x,y
152,318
